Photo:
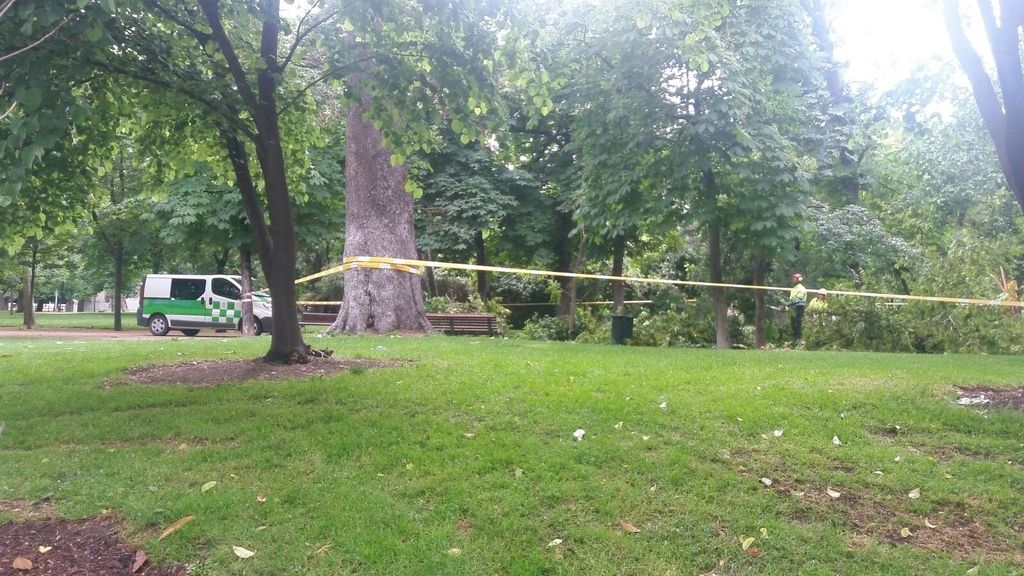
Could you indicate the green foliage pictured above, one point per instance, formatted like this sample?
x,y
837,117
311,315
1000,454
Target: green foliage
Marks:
x,y
547,328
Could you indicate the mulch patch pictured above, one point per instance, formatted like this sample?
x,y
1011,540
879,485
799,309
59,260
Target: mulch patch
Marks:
x,y
951,531
989,397
212,372
57,547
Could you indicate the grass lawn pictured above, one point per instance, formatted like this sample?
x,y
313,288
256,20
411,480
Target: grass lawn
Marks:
x,y
464,462
93,320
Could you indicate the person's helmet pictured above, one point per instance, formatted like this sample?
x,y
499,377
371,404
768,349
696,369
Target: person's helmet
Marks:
x,y
822,292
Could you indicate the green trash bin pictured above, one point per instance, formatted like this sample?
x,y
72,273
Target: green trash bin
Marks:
x,y
622,329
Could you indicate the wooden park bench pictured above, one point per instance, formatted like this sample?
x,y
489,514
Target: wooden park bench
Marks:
x,y
448,323
464,323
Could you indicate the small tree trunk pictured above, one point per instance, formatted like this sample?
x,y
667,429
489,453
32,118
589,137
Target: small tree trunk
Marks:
x,y
221,261
618,286
718,302
576,265
28,310
563,252
429,273
378,222
118,282
245,265
760,269
481,260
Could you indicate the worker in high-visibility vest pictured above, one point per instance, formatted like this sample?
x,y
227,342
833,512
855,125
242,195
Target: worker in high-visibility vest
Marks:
x,y
797,301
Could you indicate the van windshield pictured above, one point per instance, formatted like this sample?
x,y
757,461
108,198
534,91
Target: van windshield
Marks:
x,y
226,289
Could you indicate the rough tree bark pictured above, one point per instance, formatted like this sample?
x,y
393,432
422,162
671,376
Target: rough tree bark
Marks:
x,y
378,222
1004,120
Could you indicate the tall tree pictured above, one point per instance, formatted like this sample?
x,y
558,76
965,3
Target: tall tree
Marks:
x,y
1002,109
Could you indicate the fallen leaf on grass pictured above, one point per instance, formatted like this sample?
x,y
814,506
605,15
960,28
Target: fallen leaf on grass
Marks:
x,y
777,433
878,472
618,425
929,524
663,405
766,481
261,498
837,441
578,434
140,559
175,527
905,533
242,552
914,494
833,493
554,542
518,473
746,542
208,485
628,527
764,532
21,563
973,570
453,552
45,549
323,549
260,528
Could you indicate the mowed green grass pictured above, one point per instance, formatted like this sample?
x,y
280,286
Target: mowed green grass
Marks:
x,y
92,320
463,461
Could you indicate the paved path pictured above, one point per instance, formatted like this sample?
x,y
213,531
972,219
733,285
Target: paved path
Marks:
x,y
96,334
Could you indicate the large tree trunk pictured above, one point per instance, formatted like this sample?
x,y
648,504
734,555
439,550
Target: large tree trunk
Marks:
x,y
760,312
245,265
378,222
481,260
1005,121
618,286
118,282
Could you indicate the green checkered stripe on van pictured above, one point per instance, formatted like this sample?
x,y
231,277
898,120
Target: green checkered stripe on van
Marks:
x,y
225,313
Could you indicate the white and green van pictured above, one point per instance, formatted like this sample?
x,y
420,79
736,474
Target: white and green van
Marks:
x,y
190,302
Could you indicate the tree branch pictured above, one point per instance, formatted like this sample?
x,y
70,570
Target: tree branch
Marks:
x,y
211,9
302,35
37,42
5,7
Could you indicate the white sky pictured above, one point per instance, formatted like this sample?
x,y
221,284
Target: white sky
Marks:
x,y
882,41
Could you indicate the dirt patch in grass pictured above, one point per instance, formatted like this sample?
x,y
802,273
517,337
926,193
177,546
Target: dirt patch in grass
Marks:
x,y
989,397
38,543
950,531
213,372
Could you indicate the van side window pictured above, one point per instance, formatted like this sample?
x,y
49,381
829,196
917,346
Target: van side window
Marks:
x,y
187,288
226,289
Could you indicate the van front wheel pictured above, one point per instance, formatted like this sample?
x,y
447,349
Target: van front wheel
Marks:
x,y
257,327
158,325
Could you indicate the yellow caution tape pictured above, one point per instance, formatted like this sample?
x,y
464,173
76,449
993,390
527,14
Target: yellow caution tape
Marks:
x,y
416,266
